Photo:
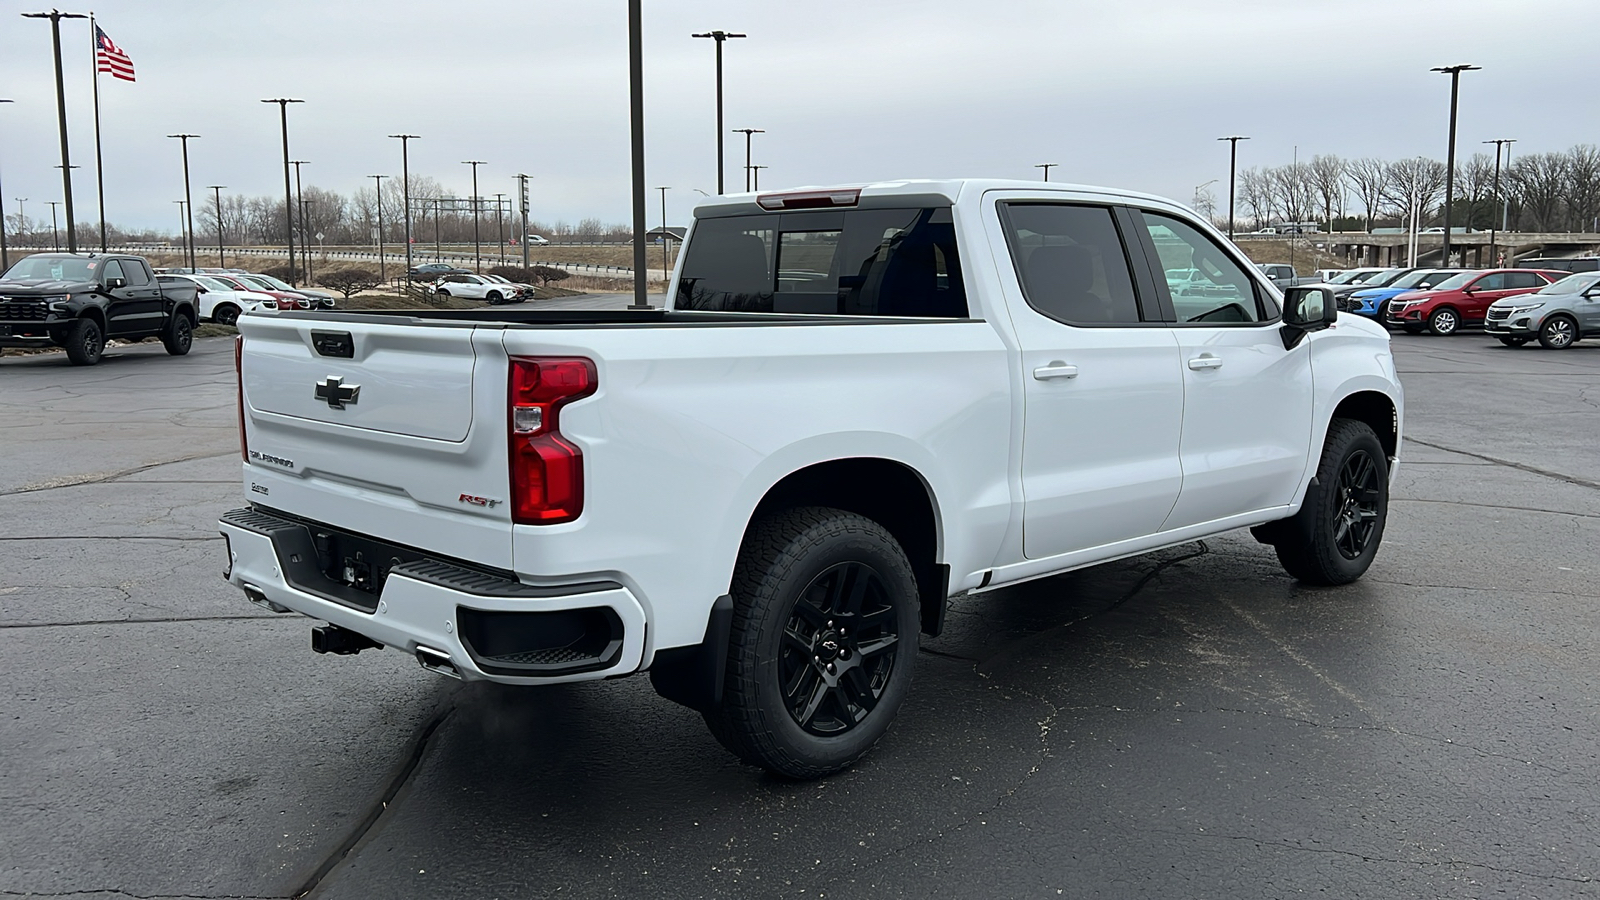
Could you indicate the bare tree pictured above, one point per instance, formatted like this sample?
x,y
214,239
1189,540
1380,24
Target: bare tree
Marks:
x,y
1415,183
1326,176
1370,178
1255,194
1293,191
1538,181
1583,187
1475,179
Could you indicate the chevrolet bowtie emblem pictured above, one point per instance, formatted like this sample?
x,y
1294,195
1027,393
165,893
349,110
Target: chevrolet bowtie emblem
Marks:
x,y
336,392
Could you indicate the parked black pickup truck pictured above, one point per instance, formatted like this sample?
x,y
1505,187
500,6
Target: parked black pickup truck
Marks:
x,y
77,300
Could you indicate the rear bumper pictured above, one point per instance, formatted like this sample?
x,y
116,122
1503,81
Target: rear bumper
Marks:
x,y
491,628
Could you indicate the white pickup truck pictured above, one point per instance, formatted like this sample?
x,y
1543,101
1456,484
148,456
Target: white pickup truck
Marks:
x,y
858,404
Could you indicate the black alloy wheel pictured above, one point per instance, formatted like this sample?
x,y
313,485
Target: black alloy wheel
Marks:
x,y
839,649
179,335
1359,493
85,342
1557,333
494,297
225,314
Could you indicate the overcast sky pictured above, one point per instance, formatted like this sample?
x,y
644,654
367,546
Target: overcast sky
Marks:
x,y
1131,93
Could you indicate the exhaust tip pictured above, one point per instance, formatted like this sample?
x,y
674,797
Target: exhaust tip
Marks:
x,y
437,661
259,597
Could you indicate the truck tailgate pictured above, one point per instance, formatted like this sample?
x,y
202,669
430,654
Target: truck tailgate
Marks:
x,y
397,431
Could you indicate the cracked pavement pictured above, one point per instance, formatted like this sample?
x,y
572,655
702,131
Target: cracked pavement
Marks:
x,y
1187,723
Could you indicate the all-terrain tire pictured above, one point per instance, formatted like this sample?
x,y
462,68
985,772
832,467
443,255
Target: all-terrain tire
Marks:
x,y
178,336
1335,536
822,644
84,342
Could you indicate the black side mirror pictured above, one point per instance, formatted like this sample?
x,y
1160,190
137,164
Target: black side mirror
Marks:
x,y
114,283
1306,309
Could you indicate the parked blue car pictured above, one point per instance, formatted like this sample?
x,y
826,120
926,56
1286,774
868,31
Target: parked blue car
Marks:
x,y
1372,302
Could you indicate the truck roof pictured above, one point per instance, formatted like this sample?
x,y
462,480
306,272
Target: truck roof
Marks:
x,y
947,189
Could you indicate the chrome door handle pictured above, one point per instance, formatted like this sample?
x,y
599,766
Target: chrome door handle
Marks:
x,y
1205,362
1056,369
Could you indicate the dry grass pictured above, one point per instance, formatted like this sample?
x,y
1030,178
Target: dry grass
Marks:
x,y
1306,255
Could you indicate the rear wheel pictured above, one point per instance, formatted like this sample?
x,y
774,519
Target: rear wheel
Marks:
x,y
822,645
1557,333
1514,341
1335,536
84,342
1444,322
178,336
225,314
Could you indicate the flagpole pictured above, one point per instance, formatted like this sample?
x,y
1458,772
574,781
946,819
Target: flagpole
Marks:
x,y
99,166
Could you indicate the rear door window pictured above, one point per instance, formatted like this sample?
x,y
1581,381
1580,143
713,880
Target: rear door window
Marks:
x,y
862,262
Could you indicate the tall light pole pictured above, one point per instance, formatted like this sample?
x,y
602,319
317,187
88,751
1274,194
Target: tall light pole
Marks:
x,y
221,263
183,223
756,171
1046,167
719,37
378,180
288,196
55,17
499,225
1498,143
300,211
405,190
188,196
477,243
664,236
1450,157
1233,167
305,238
636,141
747,132
522,185
5,253
55,234
22,220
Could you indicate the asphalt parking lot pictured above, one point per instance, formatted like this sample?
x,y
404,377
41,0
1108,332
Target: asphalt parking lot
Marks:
x,y
1185,724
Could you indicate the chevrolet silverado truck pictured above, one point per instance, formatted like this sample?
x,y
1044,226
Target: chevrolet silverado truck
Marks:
x,y
858,404
77,301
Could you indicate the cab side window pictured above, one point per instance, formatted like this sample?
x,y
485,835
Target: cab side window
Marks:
x,y
1071,262
1207,285
113,269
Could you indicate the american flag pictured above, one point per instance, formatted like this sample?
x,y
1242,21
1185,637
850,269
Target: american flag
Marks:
x,y
108,57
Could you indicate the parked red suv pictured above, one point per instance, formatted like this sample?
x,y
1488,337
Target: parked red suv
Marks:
x,y
1464,299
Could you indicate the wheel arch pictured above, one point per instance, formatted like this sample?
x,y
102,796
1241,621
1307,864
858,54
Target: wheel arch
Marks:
x,y
1378,411
887,491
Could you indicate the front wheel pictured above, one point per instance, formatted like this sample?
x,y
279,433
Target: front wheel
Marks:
x,y
494,297
1444,322
84,342
225,314
822,645
1335,536
1557,333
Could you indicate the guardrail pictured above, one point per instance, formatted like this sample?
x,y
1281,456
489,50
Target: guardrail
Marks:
x,y
603,271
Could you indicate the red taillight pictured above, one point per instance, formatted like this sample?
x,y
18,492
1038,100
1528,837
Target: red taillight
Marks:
x,y
546,468
238,381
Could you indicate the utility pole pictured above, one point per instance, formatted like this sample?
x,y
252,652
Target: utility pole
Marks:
x,y
477,242
183,237
522,183
719,37
636,135
221,264
55,233
55,17
300,209
22,221
1450,158
665,237
305,237
405,188
756,170
188,197
378,180
499,225
1233,166
288,196
5,253
1494,259
1046,167
747,132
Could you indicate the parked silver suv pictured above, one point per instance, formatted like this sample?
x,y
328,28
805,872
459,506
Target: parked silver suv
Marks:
x,y
1557,314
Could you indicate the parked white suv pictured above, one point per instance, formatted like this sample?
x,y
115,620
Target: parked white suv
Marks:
x,y
221,303
479,287
860,403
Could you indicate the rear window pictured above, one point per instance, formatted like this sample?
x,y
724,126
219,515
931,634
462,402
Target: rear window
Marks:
x,y
859,262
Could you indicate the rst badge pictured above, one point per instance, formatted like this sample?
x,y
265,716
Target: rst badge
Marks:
x,y
484,502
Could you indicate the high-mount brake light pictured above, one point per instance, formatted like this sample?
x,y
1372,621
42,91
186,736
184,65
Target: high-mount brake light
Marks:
x,y
546,468
811,199
238,381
